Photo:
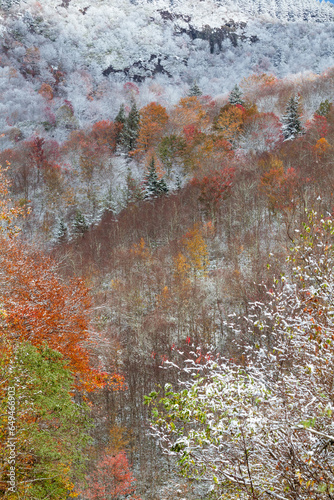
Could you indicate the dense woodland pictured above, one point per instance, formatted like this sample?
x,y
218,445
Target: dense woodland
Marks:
x,y
166,271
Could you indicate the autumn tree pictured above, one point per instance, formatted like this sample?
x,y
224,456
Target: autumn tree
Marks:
x,y
153,119
40,307
112,479
49,431
278,184
229,123
213,188
8,212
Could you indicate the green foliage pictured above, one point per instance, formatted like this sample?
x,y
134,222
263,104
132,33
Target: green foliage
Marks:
x,y
121,118
62,233
170,151
324,108
50,428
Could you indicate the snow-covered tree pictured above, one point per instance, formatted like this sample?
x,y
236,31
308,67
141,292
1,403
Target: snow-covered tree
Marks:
x,y
130,129
195,91
120,117
261,425
153,185
291,124
235,96
62,232
80,225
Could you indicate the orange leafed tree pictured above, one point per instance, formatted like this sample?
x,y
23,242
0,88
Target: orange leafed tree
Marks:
x,y
278,185
229,123
153,119
190,111
40,308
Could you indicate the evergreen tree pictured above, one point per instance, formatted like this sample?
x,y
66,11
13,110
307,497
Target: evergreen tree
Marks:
x,y
324,108
130,129
291,124
62,231
153,185
80,225
195,91
121,118
235,96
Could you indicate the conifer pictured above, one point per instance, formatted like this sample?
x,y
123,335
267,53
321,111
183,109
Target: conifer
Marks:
x,y
130,129
291,124
153,185
235,96
194,90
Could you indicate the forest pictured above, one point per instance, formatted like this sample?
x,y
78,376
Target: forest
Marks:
x,y
209,272
166,256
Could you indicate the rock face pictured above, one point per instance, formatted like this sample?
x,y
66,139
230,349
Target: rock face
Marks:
x,y
140,70
216,36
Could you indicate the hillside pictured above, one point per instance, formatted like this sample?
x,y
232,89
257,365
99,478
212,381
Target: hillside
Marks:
x,y
166,236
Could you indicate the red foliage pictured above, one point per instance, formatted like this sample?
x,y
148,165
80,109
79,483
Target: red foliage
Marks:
x,y
40,308
191,133
112,479
214,187
317,128
105,133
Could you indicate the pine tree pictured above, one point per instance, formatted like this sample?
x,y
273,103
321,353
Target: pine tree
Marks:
x,y
235,96
130,129
153,185
62,231
80,225
194,90
121,118
291,124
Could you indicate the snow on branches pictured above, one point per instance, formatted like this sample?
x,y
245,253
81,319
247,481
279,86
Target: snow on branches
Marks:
x,y
261,426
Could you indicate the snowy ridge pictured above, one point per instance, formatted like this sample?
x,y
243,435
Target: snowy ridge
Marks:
x,y
216,12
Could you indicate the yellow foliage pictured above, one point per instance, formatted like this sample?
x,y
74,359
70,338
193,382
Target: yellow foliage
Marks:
x,y
182,267
322,147
229,123
189,111
197,251
141,250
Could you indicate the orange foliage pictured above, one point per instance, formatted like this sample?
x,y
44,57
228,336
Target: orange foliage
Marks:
x,y
46,91
105,133
40,308
278,185
229,123
189,112
153,119
196,251
322,147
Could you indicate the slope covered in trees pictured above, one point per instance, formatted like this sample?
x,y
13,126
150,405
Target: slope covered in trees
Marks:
x,y
179,211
